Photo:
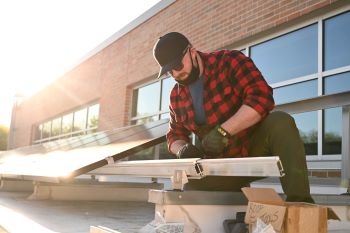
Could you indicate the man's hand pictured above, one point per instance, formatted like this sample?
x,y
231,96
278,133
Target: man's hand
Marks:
x,y
189,151
215,141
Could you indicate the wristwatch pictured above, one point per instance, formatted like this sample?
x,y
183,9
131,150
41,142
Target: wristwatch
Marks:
x,y
223,132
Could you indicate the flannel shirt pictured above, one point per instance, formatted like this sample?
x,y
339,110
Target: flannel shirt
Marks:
x,y
230,79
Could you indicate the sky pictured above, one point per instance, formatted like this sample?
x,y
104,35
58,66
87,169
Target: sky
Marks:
x,y
42,39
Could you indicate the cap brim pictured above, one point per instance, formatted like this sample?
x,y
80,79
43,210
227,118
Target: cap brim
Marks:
x,y
169,66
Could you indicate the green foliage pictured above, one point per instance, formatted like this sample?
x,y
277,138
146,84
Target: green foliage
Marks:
x,y
93,122
4,132
311,137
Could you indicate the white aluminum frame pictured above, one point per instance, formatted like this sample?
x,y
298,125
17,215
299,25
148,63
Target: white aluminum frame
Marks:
x,y
180,170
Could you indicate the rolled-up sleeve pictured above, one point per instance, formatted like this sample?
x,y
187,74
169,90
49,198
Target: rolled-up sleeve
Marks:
x,y
176,130
256,92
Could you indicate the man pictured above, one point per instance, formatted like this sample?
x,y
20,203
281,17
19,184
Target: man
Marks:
x,y
223,98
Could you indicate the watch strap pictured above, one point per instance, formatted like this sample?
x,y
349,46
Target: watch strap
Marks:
x,y
223,132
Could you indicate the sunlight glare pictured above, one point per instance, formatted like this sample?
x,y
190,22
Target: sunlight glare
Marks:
x,y
17,223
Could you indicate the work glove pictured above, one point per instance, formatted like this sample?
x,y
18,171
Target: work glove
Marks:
x,y
215,141
189,151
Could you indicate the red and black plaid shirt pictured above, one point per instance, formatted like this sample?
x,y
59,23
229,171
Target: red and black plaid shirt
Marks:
x,y
230,79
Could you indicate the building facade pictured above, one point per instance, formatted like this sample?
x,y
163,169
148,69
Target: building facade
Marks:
x,y
301,47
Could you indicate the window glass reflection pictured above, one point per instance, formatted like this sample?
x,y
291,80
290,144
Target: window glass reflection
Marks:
x,y
80,120
168,84
148,99
332,133
93,113
307,125
295,92
336,41
164,153
337,83
56,127
67,123
146,154
165,116
289,56
146,120
46,129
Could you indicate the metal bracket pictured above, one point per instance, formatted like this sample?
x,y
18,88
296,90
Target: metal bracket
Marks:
x,y
199,169
110,160
280,167
179,179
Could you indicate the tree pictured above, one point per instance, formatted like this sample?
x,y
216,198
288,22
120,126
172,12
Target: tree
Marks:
x,y
4,132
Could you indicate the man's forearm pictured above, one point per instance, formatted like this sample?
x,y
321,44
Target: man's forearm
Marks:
x,y
245,117
177,145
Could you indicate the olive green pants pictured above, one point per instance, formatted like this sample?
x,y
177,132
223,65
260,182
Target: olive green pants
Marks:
x,y
276,135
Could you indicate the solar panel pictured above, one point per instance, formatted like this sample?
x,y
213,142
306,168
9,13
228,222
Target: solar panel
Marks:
x,y
64,159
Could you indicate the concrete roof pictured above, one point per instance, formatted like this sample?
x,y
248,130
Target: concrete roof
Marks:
x,y
18,214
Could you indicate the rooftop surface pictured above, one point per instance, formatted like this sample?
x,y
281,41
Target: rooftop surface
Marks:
x,y
18,214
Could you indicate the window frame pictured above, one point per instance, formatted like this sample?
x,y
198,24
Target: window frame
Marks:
x,y
320,76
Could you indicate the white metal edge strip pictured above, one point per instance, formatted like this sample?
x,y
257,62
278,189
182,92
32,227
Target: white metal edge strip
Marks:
x,y
195,168
253,166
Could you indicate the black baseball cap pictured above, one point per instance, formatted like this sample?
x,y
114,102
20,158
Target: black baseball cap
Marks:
x,y
168,51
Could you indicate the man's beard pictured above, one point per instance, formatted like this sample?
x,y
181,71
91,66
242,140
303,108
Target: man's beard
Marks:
x,y
192,77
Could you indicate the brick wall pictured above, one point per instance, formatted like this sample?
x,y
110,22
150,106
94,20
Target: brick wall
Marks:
x,y
110,75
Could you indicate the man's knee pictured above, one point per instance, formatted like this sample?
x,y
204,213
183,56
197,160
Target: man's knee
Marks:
x,y
280,121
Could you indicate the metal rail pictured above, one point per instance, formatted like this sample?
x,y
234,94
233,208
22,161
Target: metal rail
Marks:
x,y
180,170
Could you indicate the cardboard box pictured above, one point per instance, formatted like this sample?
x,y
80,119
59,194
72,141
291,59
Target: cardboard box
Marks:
x,y
286,217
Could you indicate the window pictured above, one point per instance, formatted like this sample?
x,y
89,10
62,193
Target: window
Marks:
x,y
67,123
289,56
336,55
164,116
151,102
46,129
145,154
332,131
93,113
308,130
167,85
164,153
148,99
336,41
79,120
75,123
56,127
290,64
337,83
287,94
